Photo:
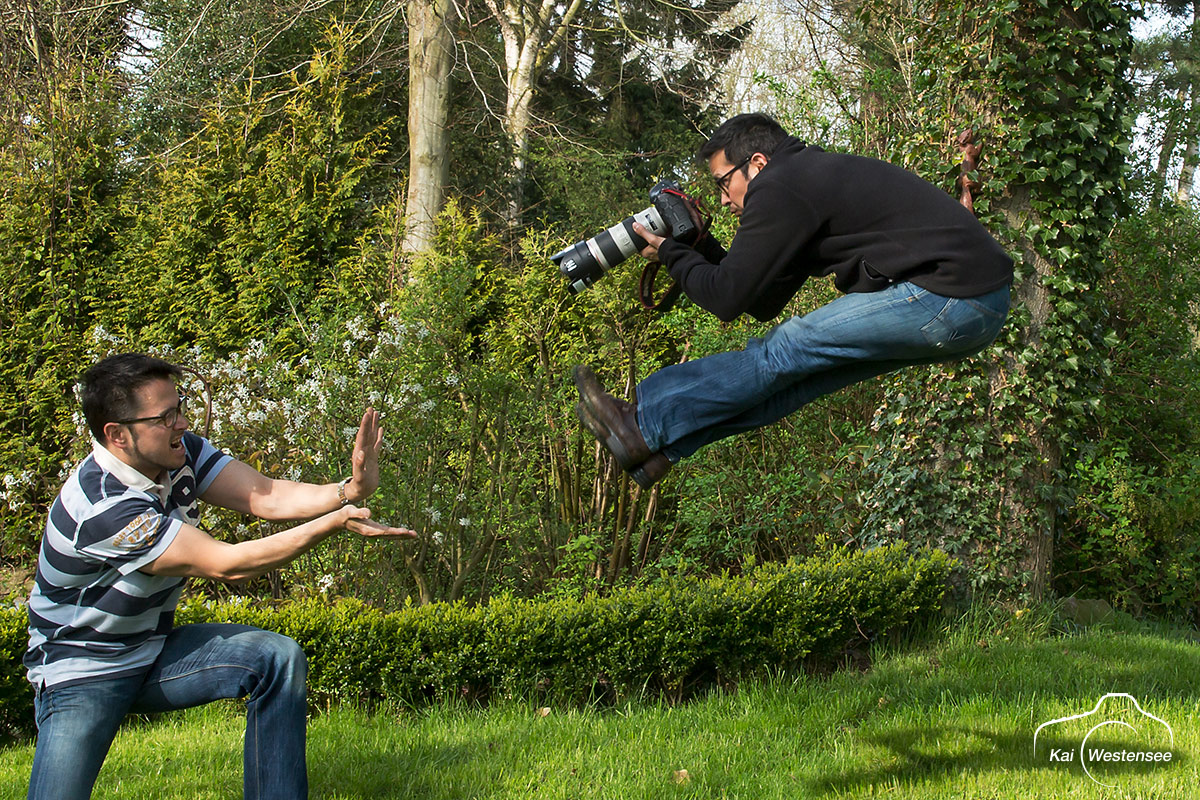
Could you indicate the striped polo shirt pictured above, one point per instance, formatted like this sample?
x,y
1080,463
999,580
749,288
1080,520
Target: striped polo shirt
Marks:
x,y
92,613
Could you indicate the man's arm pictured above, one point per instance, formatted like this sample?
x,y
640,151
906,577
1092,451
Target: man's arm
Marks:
x,y
756,275
768,305
195,554
242,488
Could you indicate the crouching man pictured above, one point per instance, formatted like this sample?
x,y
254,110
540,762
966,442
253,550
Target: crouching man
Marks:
x,y
120,542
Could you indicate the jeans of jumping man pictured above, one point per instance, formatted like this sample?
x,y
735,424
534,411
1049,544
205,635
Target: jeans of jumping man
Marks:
x,y
684,407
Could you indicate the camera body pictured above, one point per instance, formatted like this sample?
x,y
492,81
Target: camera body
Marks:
x,y
669,215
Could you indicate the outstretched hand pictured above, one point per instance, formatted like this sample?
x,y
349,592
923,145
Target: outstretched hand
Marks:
x,y
364,462
359,521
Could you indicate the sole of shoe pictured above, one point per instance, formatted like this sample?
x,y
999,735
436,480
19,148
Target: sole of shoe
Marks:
x,y
606,437
588,386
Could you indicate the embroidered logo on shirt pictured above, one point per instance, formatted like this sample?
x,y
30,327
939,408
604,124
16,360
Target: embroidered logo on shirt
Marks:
x,y
139,533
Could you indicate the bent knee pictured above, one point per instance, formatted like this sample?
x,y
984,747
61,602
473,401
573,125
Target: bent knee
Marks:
x,y
784,349
280,652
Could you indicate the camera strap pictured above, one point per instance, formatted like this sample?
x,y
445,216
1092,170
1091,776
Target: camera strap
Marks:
x,y
650,271
646,290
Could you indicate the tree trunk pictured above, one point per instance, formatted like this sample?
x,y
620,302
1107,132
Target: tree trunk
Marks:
x,y
1191,159
1191,152
430,58
1191,126
516,125
531,32
1023,501
1166,150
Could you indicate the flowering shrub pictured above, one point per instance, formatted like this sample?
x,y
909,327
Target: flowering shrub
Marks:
x,y
469,363
481,453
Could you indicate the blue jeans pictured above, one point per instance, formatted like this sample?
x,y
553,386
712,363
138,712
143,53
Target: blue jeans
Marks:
x,y
198,664
683,407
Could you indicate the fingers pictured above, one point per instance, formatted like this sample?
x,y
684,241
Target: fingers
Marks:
x,y
370,432
650,251
641,231
370,528
376,425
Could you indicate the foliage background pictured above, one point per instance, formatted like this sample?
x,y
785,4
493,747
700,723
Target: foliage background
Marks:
x,y
240,209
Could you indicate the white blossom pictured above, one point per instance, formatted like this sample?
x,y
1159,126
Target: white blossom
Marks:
x,y
357,329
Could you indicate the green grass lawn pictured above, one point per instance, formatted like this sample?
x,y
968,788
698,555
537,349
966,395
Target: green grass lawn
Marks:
x,y
953,717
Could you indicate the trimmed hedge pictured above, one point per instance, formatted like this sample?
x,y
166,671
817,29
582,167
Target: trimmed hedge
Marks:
x,y
671,639
16,696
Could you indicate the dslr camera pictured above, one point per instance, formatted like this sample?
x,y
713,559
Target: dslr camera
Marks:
x,y
671,214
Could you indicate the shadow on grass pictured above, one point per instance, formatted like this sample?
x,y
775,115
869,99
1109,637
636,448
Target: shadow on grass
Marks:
x,y
1070,673
959,709
371,773
922,753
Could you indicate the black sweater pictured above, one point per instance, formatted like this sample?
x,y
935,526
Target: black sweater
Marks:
x,y
866,222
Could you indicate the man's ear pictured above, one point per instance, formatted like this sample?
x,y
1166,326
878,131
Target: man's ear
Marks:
x,y
759,160
115,435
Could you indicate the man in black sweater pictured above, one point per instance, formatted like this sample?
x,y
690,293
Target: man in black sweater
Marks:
x,y
923,282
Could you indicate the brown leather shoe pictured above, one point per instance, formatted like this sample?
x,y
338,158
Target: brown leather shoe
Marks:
x,y
612,421
594,426
651,471
646,474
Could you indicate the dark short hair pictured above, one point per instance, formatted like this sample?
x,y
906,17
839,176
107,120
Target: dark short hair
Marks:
x,y
743,136
107,389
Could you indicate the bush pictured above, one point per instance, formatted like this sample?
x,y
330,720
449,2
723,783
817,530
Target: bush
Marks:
x,y
673,639
1129,536
16,695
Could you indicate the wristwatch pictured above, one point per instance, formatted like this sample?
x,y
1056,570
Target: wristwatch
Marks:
x,y
342,491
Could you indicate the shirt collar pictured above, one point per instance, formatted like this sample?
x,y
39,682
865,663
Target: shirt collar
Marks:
x,y
128,475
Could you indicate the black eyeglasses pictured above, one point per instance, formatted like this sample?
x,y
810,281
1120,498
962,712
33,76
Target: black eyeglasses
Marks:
x,y
723,181
168,419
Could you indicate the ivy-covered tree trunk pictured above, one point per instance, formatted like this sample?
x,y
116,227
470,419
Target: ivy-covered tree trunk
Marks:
x,y
971,455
